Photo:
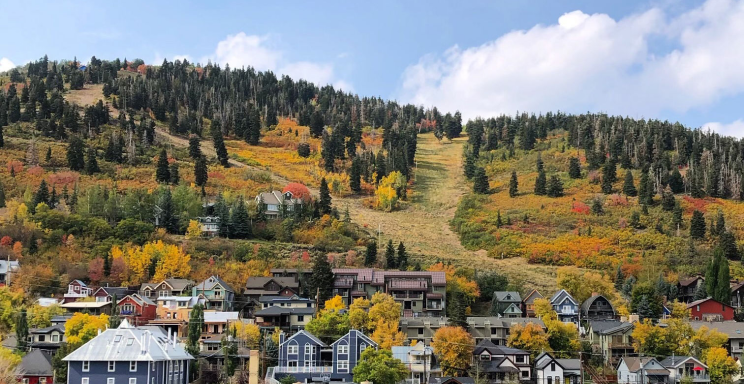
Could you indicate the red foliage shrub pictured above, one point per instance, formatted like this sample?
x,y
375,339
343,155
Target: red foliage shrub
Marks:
x,y
299,191
579,207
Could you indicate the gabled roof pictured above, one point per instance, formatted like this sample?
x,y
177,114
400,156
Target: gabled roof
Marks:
x,y
507,296
534,294
137,298
697,302
588,303
498,365
283,299
79,282
359,334
624,327
690,280
43,331
36,363
546,358
276,311
111,291
676,361
452,380
598,326
733,329
175,284
561,296
259,282
211,282
493,349
513,308
308,335
635,364
127,343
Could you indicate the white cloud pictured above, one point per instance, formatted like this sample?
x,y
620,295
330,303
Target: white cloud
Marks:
x,y
591,62
6,64
735,129
259,52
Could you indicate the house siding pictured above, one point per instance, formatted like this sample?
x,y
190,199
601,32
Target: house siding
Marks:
x,y
99,374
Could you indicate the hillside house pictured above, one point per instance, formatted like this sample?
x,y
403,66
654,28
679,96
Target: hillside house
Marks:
x,y
501,364
506,304
565,306
611,338
528,303
137,310
217,294
634,370
687,288
549,370
76,290
173,313
276,204
290,314
734,331
420,361
686,366
709,309
48,339
167,287
6,269
597,307
103,294
36,368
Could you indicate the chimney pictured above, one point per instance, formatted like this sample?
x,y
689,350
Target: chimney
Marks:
x,y
595,294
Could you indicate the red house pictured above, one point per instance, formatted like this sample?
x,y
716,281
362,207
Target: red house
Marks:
x,y
710,310
36,368
138,310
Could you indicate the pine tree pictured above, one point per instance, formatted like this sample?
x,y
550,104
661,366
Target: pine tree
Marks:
x,y
75,154
667,200
555,186
676,183
91,165
162,173
720,227
597,207
303,150
574,168
201,174
114,319
609,176
41,196
629,188
2,195
619,278
254,126
196,322
469,166
322,279
645,195
194,147
480,181
402,257
644,308
711,274
370,256
513,185
324,204
48,157
541,184
168,218
219,143
697,225
355,175
174,176
21,328
390,261
240,227
677,219
316,124
723,287
539,163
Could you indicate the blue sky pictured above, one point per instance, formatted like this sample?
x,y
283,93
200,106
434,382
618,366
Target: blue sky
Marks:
x,y
665,59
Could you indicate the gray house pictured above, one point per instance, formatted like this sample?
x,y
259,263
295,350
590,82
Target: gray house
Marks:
x,y
597,307
276,204
506,304
308,359
129,355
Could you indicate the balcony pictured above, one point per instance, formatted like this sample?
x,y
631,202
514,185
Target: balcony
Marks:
x,y
434,306
303,369
343,282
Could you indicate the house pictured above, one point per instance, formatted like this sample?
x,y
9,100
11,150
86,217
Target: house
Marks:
x,y
420,293
506,304
549,370
646,370
709,309
277,204
565,306
291,317
137,309
6,269
256,287
420,361
47,339
209,225
686,366
452,380
36,368
76,290
421,329
47,301
597,307
173,313
212,357
297,274
612,339
218,295
737,295
308,359
129,355
167,287
528,303
496,329
732,329
218,323
91,307
501,364
108,293
687,288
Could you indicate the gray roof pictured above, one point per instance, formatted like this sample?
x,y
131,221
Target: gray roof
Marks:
x,y
44,331
588,303
211,281
270,197
276,311
480,322
493,349
597,326
118,291
733,329
37,363
258,282
139,299
624,327
4,266
507,296
560,296
676,361
635,363
127,343
494,366
461,380
176,284
284,299
308,334
568,364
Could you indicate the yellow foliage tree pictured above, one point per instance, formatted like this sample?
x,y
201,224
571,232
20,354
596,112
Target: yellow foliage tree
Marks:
x,y
41,317
385,308
581,285
138,264
457,282
336,303
529,337
387,191
82,327
386,335
680,311
249,334
721,366
358,315
454,348
173,262
8,363
544,310
194,230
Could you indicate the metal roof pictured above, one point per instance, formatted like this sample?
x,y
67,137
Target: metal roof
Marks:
x,y
85,304
36,363
220,317
276,311
507,296
211,281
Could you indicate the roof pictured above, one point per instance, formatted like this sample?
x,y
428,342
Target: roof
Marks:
x,y
309,335
493,349
85,304
560,296
634,363
369,275
211,281
43,331
176,284
402,352
676,361
480,322
270,197
220,317
534,294
507,296
690,280
79,282
494,366
285,299
258,282
588,303
276,311
360,335
141,300
452,380
697,302
47,301
5,264
127,343
567,364
36,363
118,291
597,326
733,329
290,270
191,300
624,327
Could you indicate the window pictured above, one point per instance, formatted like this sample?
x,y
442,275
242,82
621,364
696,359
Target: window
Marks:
x,y
557,380
343,349
485,357
362,347
111,366
360,286
43,380
550,380
520,358
343,365
55,338
552,366
153,366
42,338
309,305
420,331
132,380
117,338
698,307
132,366
24,381
111,380
147,293
300,318
308,349
86,366
84,380
525,373
494,331
130,341
292,349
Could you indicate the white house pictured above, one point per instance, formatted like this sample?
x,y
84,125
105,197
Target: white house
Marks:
x,y
420,361
549,370
681,366
641,370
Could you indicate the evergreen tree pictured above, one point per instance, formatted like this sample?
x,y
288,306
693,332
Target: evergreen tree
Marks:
x,y
402,257
355,176
619,278
174,176
254,126
727,244
676,183
667,200
697,225
91,166
48,157
390,261
541,188
324,204
513,185
223,212
480,181
168,218
219,143
555,186
711,274
456,309
194,147
201,174
41,196
240,227
317,124
2,195
644,309
196,321
677,215
720,227
75,154
597,207
14,110
609,176
303,150
370,256
21,328
322,279
723,287
574,168
645,194
114,319
629,188
162,173
469,166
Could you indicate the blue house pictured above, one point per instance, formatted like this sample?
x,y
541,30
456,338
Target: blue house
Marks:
x,y
565,306
129,355
308,359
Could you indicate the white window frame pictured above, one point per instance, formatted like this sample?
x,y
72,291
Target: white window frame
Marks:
x,y
308,349
132,366
342,366
55,338
343,349
43,380
111,366
24,381
292,349
86,366
132,380
111,380
84,380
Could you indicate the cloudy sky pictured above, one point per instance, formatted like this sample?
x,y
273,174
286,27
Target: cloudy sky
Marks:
x,y
668,59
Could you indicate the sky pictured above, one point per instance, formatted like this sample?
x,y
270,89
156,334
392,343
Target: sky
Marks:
x,y
681,60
